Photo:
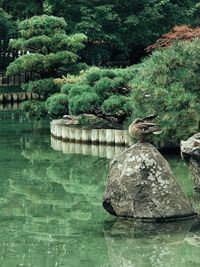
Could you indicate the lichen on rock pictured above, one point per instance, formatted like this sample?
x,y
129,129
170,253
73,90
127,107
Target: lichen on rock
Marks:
x,y
142,185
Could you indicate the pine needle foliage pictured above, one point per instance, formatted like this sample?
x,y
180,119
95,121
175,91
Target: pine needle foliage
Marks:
x,y
45,46
168,84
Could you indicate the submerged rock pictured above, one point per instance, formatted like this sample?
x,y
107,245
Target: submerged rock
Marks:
x,y
190,150
142,185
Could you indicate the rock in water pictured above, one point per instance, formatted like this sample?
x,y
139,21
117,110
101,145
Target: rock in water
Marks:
x,y
142,185
190,150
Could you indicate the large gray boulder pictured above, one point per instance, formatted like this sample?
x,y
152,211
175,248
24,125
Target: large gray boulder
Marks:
x,y
190,150
142,185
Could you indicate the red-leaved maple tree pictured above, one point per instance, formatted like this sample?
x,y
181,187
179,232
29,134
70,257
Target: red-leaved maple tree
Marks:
x,y
182,33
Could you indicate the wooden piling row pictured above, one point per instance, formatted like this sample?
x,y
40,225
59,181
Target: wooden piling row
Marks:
x,y
18,97
61,131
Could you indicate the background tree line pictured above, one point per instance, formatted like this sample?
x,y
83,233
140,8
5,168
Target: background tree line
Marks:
x,y
117,32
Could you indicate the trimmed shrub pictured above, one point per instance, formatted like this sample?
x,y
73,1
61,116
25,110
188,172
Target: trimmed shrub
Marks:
x,y
88,90
87,102
104,87
44,87
108,73
93,76
119,82
117,105
66,88
57,105
78,89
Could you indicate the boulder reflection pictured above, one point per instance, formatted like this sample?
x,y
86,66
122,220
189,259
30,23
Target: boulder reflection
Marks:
x,y
139,244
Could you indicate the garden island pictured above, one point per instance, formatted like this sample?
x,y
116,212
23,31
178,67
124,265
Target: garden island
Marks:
x,y
99,104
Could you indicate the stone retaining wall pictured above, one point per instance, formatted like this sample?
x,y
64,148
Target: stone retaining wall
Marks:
x,y
63,132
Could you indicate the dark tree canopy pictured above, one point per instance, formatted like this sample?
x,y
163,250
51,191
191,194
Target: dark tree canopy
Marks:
x,y
117,31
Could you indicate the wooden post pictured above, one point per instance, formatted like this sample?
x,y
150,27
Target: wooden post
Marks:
x,y
78,135
22,96
59,131
102,136
65,133
29,95
94,136
71,134
15,97
86,136
110,136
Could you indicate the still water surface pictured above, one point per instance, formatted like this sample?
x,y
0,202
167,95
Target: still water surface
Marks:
x,y
51,213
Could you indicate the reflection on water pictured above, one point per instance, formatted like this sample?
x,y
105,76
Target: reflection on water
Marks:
x,y
102,151
51,213
10,106
146,244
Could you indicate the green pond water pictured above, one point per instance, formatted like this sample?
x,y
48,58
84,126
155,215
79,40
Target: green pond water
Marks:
x,y
51,212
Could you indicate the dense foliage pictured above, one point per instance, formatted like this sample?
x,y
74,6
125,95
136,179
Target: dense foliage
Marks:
x,y
49,51
6,23
167,83
102,92
117,31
